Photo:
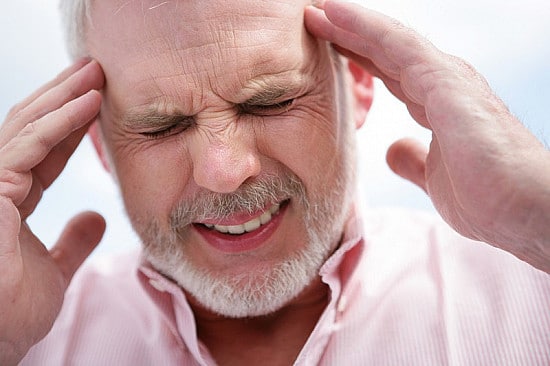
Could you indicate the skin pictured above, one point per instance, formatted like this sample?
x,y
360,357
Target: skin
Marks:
x,y
223,148
484,171
486,174
158,69
37,138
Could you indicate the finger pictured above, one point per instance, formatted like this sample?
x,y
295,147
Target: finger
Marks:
x,y
427,76
320,26
397,51
77,241
407,158
364,62
54,163
417,111
49,85
393,85
89,77
390,73
37,139
400,44
32,198
10,224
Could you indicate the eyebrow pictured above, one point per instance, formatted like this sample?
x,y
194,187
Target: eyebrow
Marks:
x,y
154,119
271,90
265,93
269,95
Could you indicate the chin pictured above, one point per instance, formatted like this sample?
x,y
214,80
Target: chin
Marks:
x,y
257,292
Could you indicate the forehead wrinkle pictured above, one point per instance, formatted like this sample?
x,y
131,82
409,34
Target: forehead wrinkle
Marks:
x,y
193,81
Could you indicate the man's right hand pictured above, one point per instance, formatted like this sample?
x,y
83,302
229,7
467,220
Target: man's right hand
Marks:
x,y
36,140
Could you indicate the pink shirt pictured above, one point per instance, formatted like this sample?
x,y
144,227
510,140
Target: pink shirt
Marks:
x,y
412,292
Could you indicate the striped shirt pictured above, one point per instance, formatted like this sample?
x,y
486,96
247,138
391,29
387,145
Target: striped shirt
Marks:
x,y
405,290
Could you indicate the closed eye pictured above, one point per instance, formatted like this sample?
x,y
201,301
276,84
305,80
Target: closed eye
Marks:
x,y
162,133
167,126
267,109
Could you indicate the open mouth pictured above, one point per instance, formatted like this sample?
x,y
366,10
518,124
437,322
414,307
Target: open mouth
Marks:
x,y
243,232
261,219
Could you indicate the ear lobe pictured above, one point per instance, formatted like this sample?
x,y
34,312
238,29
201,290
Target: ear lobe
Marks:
x,y
363,92
95,136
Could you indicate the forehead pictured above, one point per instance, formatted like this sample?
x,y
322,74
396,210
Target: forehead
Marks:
x,y
205,41
195,22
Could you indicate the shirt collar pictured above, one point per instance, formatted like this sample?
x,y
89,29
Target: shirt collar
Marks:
x,y
335,272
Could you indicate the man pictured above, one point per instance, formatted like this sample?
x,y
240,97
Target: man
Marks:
x,y
229,129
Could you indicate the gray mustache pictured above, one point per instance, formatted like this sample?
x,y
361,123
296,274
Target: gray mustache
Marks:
x,y
250,197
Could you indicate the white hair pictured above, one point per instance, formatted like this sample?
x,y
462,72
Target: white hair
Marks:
x,y
75,15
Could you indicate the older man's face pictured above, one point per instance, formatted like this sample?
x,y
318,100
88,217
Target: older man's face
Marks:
x,y
224,122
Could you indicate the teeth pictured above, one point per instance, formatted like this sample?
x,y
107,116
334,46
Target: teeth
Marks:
x,y
252,225
248,226
237,229
265,218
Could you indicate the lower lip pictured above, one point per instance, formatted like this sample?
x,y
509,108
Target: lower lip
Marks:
x,y
228,243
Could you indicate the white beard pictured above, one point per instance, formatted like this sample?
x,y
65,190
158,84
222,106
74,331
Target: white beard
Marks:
x,y
249,294
266,289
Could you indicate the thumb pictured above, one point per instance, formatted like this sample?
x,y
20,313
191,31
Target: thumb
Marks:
x,y
407,158
79,238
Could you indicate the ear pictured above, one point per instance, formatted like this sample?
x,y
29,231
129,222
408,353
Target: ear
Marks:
x,y
363,92
95,135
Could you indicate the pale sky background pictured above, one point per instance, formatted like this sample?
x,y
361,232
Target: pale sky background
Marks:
x,y
508,41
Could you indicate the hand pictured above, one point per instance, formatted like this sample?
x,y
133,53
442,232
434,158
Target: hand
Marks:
x,y
36,140
486,174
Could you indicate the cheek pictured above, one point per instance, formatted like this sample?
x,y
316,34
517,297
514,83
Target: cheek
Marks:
x,y
307,143
151,179
309,139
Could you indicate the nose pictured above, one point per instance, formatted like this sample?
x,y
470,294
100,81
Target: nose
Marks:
x,y
222,164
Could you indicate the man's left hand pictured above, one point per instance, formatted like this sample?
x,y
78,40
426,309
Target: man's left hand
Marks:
x,y
486,174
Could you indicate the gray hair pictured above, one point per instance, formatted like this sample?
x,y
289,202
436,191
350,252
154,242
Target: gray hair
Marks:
x,y
75,15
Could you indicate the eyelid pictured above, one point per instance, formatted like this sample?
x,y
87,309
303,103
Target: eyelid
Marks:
x,y
267,109
178,125
160,133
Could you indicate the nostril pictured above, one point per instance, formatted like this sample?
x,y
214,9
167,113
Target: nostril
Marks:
x,y
224,170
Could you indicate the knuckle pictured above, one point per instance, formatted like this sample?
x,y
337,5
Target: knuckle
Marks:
x,y
403,45
392,27
11,178
32,131
28,130
22,115
459,65
466,71
13,185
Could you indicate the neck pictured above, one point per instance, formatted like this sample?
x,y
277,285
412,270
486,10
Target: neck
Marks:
x,y
253,340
